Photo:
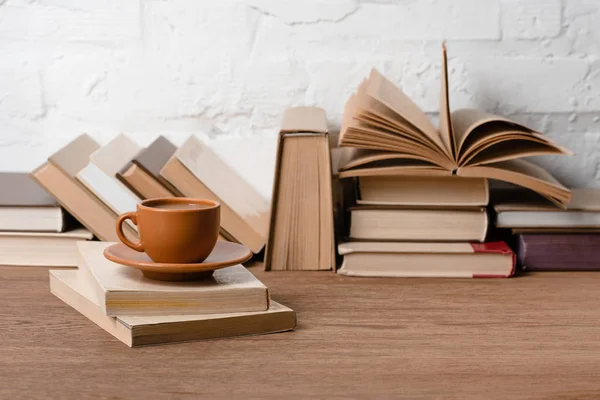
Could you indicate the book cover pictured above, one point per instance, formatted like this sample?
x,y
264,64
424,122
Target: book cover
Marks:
x,y
158,329
390,135
121,290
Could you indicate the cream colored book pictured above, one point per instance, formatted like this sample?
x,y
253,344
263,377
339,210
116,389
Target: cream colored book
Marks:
x,y
429,260
391,135
382,223
435,191
197,171
57,177
42,249
120,290
100,175
139,331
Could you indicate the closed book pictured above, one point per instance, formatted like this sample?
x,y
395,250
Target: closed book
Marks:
x,y
100,174
431,260
195,170
301,235
75,291
121,290
42,249
142,174
559,252
435,191
517,210
57,177
382,223
26,206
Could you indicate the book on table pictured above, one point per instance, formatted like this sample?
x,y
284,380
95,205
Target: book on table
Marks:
x,y
388,135
57,177
426,259
100,174
301,233
42,249
72,288
559,251
195,170
26,206
142,174
120,290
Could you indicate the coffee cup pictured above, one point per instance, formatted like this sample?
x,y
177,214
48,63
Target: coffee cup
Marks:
x,y
174,230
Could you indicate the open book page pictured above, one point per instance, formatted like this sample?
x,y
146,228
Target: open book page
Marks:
x,y
446,130
385,92
522,173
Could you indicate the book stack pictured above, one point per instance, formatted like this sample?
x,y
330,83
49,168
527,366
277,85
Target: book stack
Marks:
x,y
422,192
34,229
98,183
548,238
140,311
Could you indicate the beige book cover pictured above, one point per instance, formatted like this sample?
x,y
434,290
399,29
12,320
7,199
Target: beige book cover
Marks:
x,y
57,176
75,291
301,231
426,259
121,290
42,249
196,171
392,136
100,174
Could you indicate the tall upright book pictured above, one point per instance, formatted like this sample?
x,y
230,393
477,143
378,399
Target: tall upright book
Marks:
x,y
301,227
142,174
195,170
57,177
73,289
120,290
100,174
390,135
25,206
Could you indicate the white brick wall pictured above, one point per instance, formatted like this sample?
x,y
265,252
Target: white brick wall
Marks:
x,y
226,69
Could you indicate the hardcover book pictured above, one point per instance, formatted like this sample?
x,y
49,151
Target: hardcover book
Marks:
x,y
301,235
159,329
390,135
559,252
120,290
431,260
25,206
42,249
195,170
142,174
57,177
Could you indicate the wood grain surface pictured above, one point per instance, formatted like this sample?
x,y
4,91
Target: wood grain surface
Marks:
x,y
535,336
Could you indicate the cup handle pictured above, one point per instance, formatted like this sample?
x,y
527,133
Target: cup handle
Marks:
x,y
138,246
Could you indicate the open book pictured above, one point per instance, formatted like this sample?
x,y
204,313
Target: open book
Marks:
x,y
391,135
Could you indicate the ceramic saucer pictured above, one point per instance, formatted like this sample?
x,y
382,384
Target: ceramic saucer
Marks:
x,y
225,254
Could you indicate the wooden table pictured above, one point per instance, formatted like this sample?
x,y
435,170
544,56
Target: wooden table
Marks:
x,y
532,336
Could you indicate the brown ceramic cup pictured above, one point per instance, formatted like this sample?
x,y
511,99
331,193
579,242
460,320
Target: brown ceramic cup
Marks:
x,y
174,230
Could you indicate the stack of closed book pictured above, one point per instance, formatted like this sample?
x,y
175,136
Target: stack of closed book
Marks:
x,y
140,311
34,228
422,192
548,238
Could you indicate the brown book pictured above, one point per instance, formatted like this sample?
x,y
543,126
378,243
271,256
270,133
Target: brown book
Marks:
x,y
390,135
25,206
57,177
381,223
437,191
430,260
134,331
301,226
197,171
518,211
142,174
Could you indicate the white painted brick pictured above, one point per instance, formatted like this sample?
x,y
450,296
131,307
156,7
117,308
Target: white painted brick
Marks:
x,y
531,19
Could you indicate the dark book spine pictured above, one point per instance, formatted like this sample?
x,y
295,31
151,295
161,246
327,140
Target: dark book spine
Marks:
x,y
559,252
